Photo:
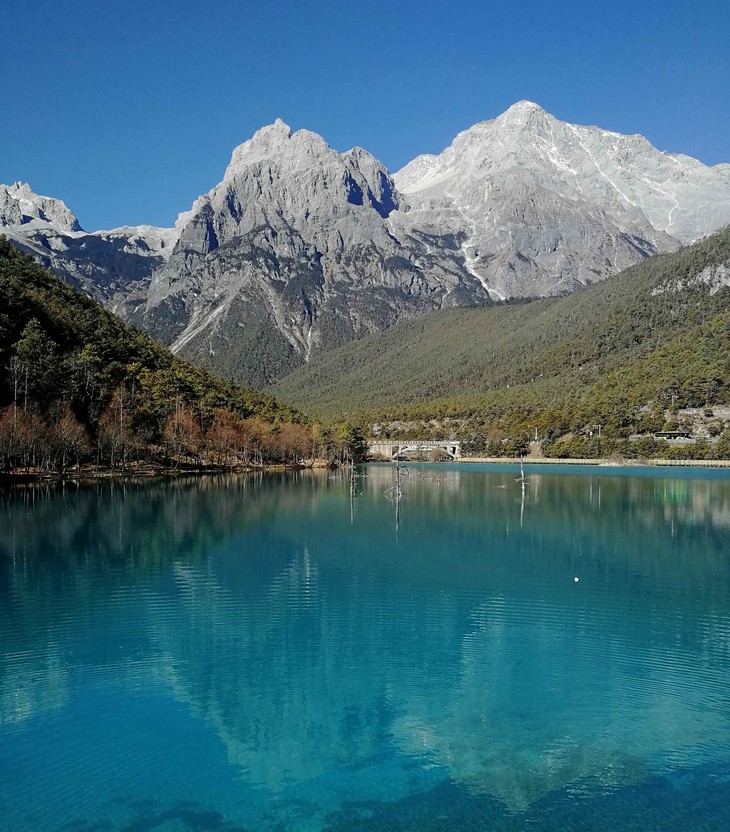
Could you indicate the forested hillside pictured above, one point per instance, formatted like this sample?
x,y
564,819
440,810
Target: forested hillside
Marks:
x,y
654,337
76,383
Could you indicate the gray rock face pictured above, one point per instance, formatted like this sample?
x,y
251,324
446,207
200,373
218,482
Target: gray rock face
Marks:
x,y
298,249
20,206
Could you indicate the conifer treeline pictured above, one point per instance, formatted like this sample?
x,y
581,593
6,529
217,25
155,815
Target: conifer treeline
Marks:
x,y
78,386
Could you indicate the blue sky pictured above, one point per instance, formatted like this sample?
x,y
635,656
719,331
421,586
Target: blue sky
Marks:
x,y
129,110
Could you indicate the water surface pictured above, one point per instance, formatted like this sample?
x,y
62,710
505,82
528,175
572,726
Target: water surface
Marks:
x,y
268,653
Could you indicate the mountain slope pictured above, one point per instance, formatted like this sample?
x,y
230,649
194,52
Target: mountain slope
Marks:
x,y
113,267
57,345
555,349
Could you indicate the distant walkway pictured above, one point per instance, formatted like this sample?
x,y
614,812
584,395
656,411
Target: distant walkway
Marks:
x,y
529,460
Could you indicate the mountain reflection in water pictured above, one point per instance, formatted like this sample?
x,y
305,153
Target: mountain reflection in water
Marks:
x,y
319,645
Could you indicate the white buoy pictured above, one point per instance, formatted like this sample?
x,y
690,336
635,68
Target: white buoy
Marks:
x,y
576,579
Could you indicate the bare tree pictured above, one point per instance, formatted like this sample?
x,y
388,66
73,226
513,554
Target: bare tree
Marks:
x,y
183,434
69,440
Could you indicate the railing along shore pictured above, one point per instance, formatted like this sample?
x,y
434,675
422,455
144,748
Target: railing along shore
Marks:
x,y
699,463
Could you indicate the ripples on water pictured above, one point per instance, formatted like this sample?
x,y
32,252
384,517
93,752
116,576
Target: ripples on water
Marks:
x,y
259,653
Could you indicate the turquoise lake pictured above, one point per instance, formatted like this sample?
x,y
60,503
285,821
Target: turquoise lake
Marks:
x,y
266,652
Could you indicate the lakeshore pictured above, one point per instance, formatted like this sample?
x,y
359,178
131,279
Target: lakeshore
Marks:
x,y
150,471
93,473
613,463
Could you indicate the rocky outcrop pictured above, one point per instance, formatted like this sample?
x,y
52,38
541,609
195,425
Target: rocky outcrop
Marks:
x,y
20,206
544,205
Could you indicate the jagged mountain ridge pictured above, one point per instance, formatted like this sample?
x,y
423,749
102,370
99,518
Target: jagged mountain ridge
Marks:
x,y
300,248
114,267
667,192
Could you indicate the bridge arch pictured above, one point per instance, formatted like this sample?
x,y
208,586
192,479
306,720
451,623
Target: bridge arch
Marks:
x,y
413,449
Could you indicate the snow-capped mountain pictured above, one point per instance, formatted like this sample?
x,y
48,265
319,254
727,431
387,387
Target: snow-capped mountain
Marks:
x,y
545,205
114,267
300,248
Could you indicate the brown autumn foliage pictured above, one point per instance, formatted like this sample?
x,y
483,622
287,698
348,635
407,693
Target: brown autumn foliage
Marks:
x,y
29,443
293,443
225,438
183,435
60,443
69,441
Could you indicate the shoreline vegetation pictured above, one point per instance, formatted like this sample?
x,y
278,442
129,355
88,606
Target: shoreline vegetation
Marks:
x,y
151,470
59,445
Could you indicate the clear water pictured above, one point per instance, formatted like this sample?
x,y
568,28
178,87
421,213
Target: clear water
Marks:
x,y
263,653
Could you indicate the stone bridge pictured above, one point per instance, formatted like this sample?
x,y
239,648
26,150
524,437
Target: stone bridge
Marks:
x,y
415,449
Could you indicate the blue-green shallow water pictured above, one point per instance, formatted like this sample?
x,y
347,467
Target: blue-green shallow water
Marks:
x,y
259,653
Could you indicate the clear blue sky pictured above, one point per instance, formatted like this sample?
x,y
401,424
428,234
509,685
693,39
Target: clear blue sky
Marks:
x,y
128,110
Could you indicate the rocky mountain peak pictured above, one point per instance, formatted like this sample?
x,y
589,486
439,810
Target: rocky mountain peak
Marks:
x,y
301,248
20,205
526,117
291,180
359,153
304,242
522,111
526,163
272,134
277,142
